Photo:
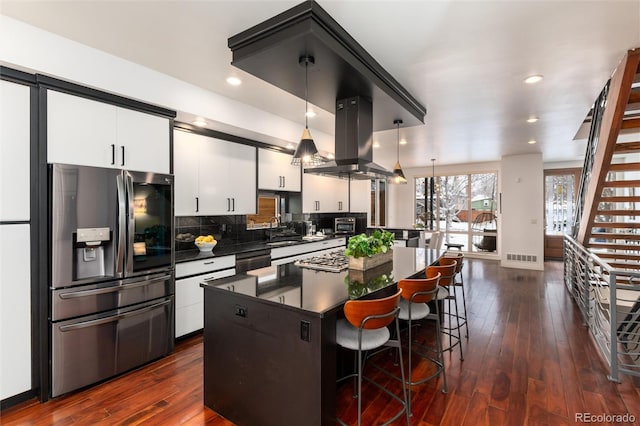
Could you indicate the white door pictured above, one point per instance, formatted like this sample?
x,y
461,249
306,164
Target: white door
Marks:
x,y
14,151
15,310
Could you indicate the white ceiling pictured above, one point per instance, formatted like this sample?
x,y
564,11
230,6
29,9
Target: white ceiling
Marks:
x,y
464,60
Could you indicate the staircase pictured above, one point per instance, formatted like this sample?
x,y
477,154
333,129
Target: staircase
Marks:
x,y
609,204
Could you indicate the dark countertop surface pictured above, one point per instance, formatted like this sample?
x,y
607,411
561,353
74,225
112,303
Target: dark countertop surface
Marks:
x,y
225,250
324,291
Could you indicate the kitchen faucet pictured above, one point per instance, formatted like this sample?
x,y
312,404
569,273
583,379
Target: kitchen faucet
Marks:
x,y
277,218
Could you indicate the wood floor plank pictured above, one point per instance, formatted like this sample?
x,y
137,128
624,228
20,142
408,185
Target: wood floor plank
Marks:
x,y
528,361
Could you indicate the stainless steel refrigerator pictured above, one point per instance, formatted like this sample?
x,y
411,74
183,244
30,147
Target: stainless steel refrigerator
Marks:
x,y
112,273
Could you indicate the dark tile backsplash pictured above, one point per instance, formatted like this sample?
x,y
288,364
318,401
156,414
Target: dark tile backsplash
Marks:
x,y
232,229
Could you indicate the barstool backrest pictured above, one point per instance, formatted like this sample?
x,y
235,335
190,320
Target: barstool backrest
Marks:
x,y
447,271
458,257
419,290
357,311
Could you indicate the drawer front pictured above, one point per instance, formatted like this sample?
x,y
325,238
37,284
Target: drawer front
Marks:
x,y
189,319
188,290
203,266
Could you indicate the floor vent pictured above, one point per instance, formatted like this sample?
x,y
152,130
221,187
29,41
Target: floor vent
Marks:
x,y
522,257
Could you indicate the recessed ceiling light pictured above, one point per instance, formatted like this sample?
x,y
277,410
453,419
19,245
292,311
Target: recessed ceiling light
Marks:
x,y
531,142
403,142
330,156
532,79
200,122
532,119
234,81
310,114
376,145
290,146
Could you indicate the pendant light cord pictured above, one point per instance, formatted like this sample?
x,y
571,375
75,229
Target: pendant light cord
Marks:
x,y
398,144
306,96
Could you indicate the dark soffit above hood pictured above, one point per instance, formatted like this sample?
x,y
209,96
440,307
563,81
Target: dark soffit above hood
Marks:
x,y
271,51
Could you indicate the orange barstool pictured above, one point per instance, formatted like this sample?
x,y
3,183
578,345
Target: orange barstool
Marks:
x,y
416,293
363,329
447,273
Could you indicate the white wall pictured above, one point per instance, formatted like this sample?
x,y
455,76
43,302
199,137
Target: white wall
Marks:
x,y
34,50
522,213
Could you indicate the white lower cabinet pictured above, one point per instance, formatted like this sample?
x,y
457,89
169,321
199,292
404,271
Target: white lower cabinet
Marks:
x,y
189,294
15,310
291,297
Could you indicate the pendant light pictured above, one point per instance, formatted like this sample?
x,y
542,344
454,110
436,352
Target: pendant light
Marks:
x,y
398,175
306,153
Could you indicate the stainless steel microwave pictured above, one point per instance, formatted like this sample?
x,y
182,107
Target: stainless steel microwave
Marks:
x,y
345,225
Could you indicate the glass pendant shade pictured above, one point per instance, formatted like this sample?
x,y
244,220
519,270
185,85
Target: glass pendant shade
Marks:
x,y
306,152
398,174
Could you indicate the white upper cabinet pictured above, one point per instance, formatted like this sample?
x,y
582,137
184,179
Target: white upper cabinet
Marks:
x,y
360,196
323,194
143,141
213,176
91,133
14,152
276,173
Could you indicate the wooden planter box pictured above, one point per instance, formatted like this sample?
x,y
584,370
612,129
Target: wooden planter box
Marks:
x,y
364,263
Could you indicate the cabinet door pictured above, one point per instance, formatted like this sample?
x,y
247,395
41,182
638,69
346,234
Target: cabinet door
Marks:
x,y
312,187
322,194
14,151
227,177
80,131
186,157
275,171
359,196
143,141
15,310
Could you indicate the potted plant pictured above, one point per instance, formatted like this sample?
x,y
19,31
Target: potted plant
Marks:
x,y
368,251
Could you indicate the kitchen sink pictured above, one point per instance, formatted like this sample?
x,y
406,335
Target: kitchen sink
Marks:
x,y
282,243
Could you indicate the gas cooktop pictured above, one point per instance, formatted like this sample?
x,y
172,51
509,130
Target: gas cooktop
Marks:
x,y
334,261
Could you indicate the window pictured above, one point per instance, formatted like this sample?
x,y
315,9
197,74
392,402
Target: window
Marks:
x,y
464,207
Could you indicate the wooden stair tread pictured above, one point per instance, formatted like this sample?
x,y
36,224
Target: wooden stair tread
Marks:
x,y
620,225
621,256
627,212
615,236
621,199
627,147
634,96
621,183
631,123
615,246
624,167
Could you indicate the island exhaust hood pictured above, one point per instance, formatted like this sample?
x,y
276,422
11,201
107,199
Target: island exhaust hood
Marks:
x,y
353,143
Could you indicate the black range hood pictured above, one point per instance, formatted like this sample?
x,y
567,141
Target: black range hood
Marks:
x,y
353,143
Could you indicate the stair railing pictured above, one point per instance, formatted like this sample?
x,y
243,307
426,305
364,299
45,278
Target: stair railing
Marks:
x,y
592,143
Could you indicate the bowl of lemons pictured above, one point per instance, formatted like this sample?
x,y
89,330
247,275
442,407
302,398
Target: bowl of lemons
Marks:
x,y
205,242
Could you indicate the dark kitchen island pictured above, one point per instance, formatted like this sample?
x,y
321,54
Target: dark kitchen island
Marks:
x,y
269,337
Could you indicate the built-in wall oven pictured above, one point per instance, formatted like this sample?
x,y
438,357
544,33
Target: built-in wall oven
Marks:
x,y
112,273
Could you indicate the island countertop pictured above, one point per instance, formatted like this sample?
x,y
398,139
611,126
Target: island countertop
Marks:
x,y
319,291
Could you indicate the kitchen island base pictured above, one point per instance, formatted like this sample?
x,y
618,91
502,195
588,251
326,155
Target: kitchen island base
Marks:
x,y
266,364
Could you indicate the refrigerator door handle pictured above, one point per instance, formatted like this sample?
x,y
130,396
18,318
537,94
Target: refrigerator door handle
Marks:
x,y
140,283
122,217
130,219
92,323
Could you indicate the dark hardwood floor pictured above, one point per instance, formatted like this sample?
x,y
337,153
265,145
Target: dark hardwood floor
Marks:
x,y
528,361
